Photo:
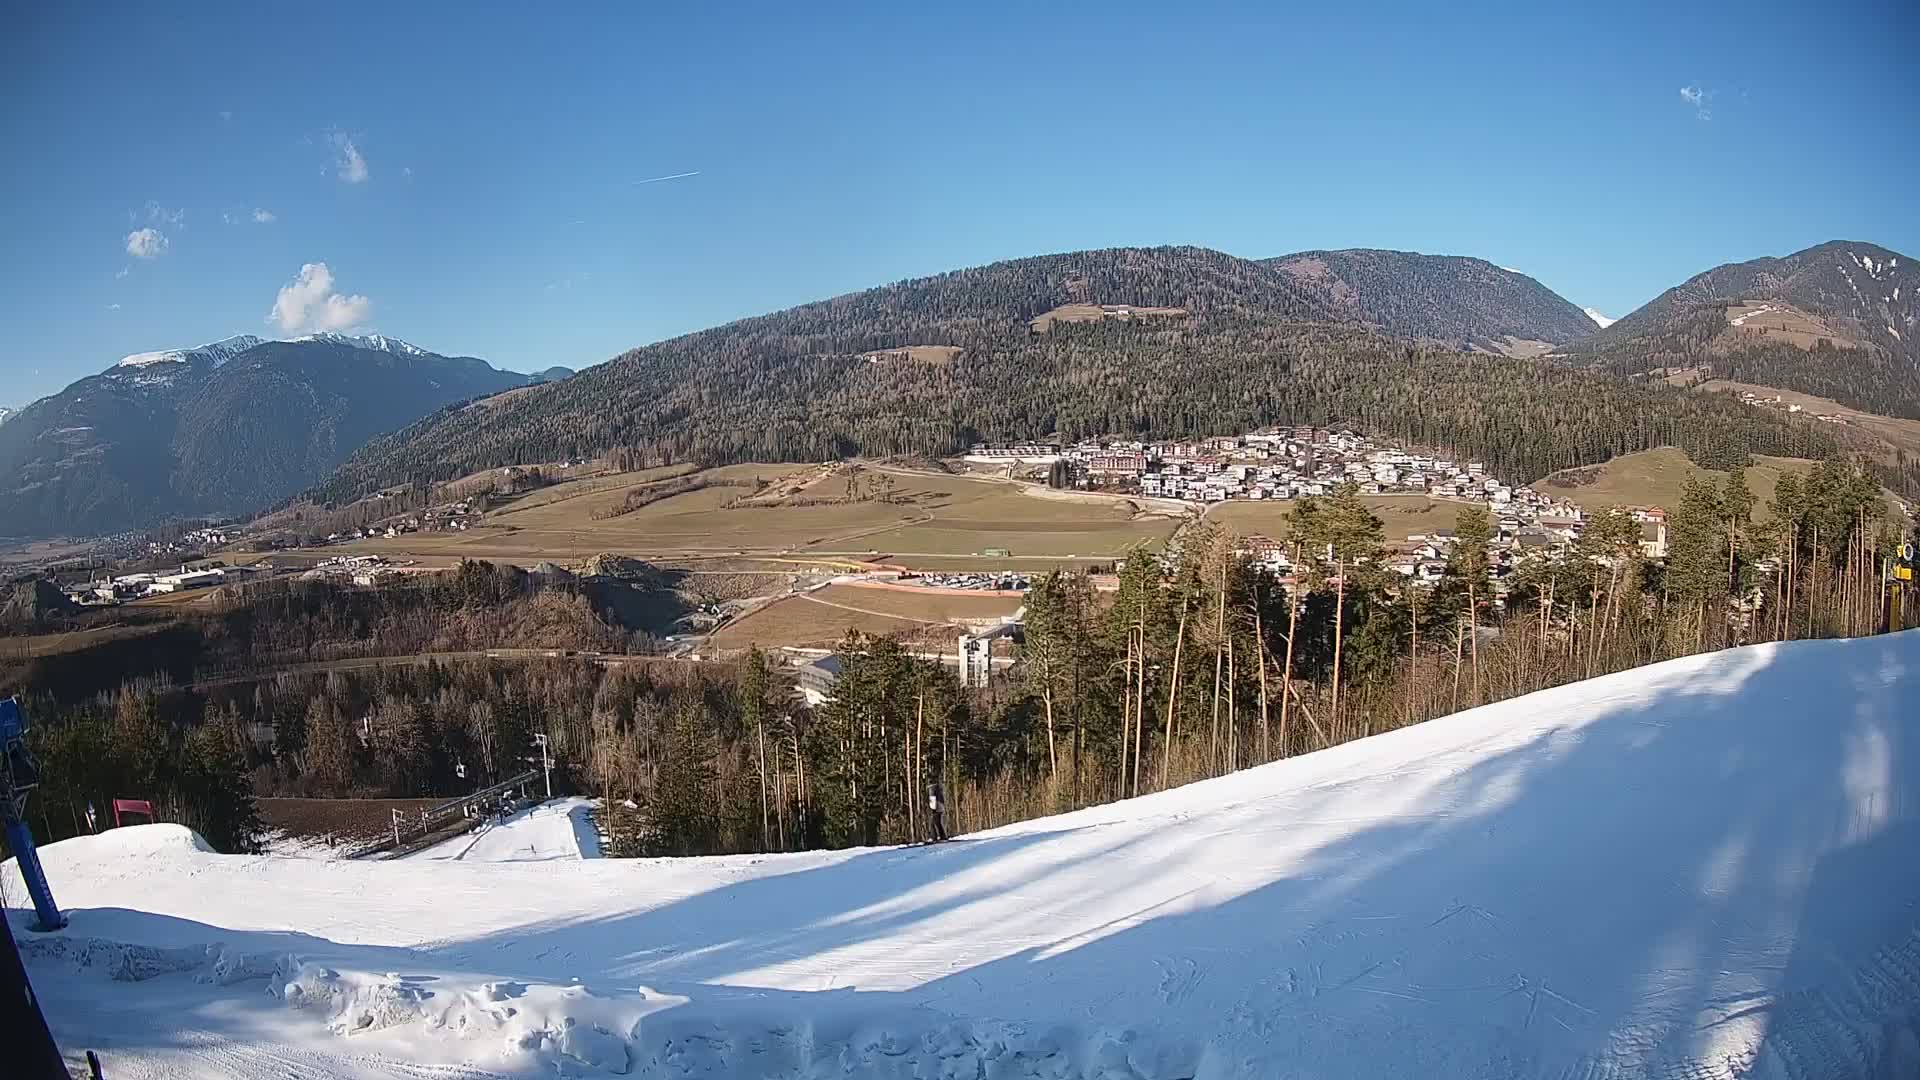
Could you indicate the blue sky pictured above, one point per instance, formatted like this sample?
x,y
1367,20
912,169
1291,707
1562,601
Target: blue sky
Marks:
x,y
467,175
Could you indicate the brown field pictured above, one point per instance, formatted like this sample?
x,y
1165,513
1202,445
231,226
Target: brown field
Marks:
x,y
1402,515
33,646
951,605
183,598
1079,313
1774,321
45,551
348,821
588,486
1886,436
929,515
936,355
1525,348
1657,477
803,623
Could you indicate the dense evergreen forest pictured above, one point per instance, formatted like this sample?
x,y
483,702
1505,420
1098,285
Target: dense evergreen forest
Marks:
x,y
1257,347
1199,664
1463,302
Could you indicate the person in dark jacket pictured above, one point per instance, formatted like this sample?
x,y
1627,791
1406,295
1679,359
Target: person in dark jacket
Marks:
x,y
936,812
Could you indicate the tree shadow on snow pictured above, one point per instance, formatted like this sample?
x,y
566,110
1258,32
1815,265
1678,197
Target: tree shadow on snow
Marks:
x,y
1657,883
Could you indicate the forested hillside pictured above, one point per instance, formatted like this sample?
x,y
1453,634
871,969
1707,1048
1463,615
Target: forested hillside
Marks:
x,y
223,429
1838,320
1256,347
1450,299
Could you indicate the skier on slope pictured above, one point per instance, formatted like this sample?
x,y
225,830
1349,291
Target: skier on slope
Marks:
x,y
937,809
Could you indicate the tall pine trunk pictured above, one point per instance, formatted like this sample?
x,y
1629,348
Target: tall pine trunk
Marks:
x,y
1286,670
1173,693
1339,635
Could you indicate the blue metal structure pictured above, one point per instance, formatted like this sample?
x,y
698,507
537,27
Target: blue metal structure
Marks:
x,y
19,774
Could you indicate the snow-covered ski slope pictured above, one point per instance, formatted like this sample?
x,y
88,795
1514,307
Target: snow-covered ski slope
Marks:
x,y
562,829
1708,868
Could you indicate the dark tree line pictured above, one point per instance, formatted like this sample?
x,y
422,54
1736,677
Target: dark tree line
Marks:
x,y
1192,666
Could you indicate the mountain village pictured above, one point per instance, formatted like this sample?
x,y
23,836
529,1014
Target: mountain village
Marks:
x,y
1305,461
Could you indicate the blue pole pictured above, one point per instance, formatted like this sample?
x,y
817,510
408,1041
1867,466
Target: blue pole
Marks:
x,y
20,839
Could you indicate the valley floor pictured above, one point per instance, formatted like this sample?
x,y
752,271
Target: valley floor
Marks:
x,y
1708,868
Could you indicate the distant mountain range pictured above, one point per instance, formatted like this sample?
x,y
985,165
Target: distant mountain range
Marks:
x,y
1171,341
1176,340
1840,320
223,428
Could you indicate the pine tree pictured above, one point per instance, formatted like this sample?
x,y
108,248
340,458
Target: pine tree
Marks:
x,y
1694,558
1736,508
329,753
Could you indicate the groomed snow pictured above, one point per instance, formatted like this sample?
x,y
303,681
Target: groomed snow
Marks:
x,y
561,830
1709,868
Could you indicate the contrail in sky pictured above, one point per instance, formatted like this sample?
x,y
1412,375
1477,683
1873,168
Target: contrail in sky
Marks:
x,y
674,176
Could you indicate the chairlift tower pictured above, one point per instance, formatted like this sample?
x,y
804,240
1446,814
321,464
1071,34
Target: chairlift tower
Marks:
x,y
546,763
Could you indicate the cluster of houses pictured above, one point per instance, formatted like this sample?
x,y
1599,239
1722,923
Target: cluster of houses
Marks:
x,y
1295,462
1773,401
205,539
365,570
1285,463
1003,581
453,517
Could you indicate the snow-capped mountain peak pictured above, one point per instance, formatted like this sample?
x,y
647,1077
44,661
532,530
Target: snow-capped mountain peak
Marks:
x,y
219,352
6,414
376,342
1598,318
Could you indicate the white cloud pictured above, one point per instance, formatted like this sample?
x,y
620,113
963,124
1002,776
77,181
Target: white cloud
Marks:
x,y
123,272
145,244
241,216
406,173
308,304
262,217
1700,99
349,163
113,307
226,115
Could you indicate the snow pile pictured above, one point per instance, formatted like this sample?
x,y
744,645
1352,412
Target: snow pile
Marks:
x,y
1709,868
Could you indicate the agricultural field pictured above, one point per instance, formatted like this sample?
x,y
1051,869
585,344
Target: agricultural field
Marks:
x,y
311,824
1884,436
1755,319
802,512
920,605
933,355
1081,313
35,646
1402,515
801,622
1657,478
